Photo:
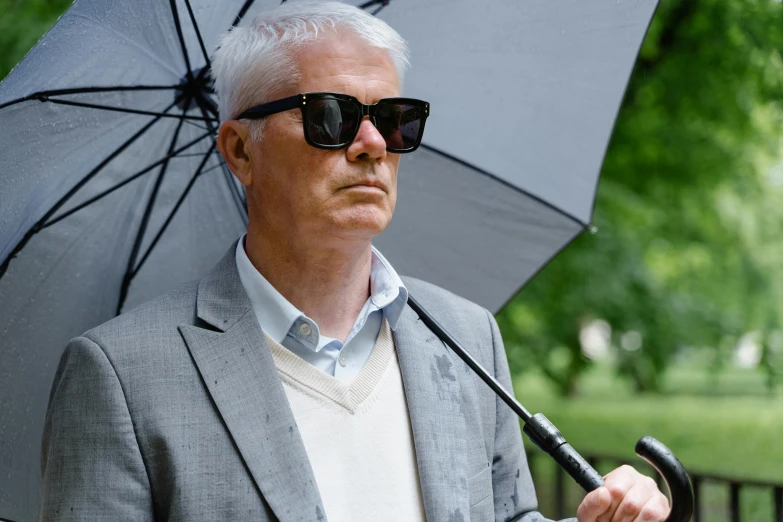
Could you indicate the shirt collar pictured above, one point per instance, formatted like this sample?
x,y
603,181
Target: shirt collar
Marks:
x,y
387,291
278,317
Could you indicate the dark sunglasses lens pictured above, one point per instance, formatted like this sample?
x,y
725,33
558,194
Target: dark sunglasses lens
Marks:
x,y
330,121
399,124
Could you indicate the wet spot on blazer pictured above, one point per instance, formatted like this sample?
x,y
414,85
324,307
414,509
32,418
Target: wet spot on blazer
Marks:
x,y
444,367
456,516
517,468
318,513
434,376
515,496
291,430
267,417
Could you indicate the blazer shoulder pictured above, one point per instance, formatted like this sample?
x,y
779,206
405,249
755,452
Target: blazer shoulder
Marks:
x,y
154,317
457,314
440,298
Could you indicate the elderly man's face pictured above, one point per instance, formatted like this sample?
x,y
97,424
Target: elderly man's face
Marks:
x,y
328,196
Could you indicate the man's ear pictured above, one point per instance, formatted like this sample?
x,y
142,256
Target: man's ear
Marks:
x,y
233,140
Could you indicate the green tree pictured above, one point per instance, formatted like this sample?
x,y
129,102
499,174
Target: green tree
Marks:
x,y
688,213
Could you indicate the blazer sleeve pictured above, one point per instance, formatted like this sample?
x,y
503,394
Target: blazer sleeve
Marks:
x,y
512,485
91,465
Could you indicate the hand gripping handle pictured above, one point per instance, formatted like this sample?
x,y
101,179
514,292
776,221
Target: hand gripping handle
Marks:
x,y
547,437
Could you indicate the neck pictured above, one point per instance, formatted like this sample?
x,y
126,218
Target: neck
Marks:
x,y
329,285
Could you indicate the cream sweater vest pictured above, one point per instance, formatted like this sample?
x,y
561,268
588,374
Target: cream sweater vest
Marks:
x,y
358,437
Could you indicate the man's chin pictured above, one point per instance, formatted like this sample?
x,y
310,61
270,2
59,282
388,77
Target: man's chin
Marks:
x,y
361,223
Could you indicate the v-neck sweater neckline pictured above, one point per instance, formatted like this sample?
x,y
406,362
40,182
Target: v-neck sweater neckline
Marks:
x,y
349,396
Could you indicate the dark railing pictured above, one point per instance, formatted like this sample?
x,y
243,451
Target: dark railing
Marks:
x,y
560,486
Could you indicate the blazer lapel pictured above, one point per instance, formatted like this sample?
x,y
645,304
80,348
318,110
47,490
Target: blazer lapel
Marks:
x,y
240,374
433,392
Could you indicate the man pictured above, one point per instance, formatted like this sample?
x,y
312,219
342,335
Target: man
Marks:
x,y
293,382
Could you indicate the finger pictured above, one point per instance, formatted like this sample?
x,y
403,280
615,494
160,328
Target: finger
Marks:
x,y
635,499
593,505
655,510
619,482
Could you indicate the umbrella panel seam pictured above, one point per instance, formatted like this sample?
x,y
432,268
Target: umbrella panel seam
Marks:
x,y
507,184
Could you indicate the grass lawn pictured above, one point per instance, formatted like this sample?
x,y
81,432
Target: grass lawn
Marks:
x,y
729,426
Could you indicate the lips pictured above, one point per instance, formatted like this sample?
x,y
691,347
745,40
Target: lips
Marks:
x,y
375,183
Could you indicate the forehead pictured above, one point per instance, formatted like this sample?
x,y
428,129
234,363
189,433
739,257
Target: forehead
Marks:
x,y
343,62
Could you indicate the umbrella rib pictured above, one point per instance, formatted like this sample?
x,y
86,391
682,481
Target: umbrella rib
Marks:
x,y
173,211
126,181
371,3
81,90
191,123
129,271
242,12
38,225
226,173
228,176
213,167
507,184
204,103
198,34
240,15
183,116
195,154
175,15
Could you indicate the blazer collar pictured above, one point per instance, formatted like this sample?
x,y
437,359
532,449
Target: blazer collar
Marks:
x,y
222,300
240,374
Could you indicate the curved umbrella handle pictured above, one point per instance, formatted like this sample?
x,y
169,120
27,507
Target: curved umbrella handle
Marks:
x,y
669,467
547,437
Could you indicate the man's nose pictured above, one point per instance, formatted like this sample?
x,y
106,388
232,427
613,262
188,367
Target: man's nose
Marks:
x,y
368,143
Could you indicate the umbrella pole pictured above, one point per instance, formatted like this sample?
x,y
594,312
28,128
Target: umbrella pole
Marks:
x,y
546,436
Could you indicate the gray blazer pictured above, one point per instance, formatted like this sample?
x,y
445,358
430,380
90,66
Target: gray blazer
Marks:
x,y
175,411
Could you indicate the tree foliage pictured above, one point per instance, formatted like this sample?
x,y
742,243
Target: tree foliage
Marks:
x,y
688,215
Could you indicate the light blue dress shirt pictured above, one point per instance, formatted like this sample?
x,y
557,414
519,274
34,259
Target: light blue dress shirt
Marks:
x,y
284,323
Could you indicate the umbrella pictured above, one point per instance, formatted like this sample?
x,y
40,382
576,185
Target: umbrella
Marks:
x,y
111,190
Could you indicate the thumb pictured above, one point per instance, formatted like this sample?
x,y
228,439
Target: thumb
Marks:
x,y
594,505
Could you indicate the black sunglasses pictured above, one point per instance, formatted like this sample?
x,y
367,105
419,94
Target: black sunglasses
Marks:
x,y
331,120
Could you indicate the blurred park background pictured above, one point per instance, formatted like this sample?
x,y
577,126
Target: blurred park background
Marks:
x,y
665,319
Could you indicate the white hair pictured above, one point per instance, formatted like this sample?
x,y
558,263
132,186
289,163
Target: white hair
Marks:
x,y
254,63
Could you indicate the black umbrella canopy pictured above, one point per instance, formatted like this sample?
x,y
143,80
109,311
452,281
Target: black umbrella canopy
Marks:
x,y
112,192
